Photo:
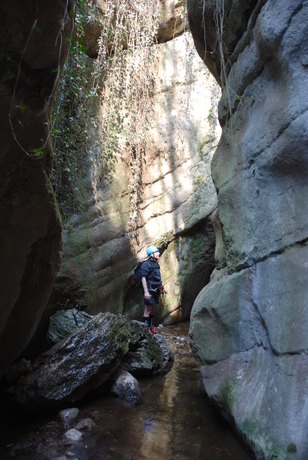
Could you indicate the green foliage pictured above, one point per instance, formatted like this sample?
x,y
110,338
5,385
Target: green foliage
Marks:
x,y
121,82
22,107
38,152
124,68
69,119
164,240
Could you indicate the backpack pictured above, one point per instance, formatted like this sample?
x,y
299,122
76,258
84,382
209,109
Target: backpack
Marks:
x,y
137,275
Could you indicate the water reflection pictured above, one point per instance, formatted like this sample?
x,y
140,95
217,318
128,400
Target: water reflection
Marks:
x,y
174,420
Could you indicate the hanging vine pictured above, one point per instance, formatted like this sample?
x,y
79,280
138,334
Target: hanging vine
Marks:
x,y
121,80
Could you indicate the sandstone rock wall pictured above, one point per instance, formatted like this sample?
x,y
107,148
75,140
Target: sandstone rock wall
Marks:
x,y
249,325
172,22
32,45
178,197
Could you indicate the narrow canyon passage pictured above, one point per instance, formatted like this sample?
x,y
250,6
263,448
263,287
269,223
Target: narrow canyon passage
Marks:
x,y
174,420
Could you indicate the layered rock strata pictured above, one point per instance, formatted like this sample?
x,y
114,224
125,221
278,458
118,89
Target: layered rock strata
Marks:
x,y
249,325
33,45
177,193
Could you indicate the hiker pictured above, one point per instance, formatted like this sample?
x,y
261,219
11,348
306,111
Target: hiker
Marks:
x,y
152,286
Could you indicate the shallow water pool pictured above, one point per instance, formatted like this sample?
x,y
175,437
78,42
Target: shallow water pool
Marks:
x,y
174,420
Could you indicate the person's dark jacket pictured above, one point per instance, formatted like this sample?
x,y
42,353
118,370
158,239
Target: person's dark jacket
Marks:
x,y
150,270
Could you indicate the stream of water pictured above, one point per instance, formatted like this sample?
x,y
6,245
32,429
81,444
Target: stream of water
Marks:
x,y
174,420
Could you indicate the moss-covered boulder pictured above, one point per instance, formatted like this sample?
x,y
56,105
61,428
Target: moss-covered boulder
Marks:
x,y
87,358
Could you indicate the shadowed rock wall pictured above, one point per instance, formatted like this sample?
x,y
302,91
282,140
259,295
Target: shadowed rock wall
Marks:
x,y
32,45
249,325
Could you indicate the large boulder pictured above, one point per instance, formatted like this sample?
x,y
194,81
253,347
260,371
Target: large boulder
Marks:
x,y
86,359
248,327
33,44
76,365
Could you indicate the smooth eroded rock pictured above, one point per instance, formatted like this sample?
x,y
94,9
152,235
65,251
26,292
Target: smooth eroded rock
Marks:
x,y
67,416
125,385
30,224
248,329
73,435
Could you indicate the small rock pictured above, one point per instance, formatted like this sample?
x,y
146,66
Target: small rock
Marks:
x,y
68,415
125,385
62,457
85,424
73,435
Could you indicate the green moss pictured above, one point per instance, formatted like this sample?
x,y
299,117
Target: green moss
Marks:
x,y
291,449
261,437
227,394
163,240
90,292
118,304
199,179
78,242
51,190
80,190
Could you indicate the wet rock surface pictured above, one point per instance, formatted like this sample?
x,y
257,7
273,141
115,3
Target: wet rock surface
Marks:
x,y
174,420
87,358
148,354
64,322
125,385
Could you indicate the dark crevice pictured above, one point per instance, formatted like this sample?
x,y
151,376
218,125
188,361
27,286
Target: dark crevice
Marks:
x,y
246,37
275,352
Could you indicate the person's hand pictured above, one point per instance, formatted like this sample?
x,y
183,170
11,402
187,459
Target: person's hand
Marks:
x,y
147,295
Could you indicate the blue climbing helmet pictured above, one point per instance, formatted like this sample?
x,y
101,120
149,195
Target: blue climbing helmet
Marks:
x,y
151,250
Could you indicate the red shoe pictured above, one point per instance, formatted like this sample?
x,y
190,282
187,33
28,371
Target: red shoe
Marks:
x,y
153,330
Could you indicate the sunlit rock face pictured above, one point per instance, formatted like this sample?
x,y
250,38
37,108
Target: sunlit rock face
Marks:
x,y
249,325
172,22
177,199
33,44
